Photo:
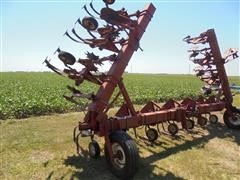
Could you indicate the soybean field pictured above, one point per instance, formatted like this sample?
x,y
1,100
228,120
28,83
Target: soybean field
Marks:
x,y
37,93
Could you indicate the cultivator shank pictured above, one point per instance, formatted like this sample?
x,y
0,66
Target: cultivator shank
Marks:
x,y
120,150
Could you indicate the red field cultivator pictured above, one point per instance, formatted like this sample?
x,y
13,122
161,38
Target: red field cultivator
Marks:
x,y
121,34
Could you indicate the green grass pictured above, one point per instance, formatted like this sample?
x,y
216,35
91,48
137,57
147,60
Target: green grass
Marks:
x,y
42,148
25,94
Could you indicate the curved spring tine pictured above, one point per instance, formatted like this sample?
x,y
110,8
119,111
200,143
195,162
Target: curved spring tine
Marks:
x,y
139,47
74,134
85,8
91,5
56,71
83,40
163,128
77,144
78,21
71,100
66,33
74,32
146,128
46,60
158,129
186,39
135,133
125,31
230,54
89,32
57,50
205,50
53,68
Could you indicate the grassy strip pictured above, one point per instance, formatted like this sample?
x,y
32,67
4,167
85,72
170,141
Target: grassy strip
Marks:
x,y
42,148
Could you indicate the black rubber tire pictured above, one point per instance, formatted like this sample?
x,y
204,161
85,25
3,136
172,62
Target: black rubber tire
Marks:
x,y
94,149
152,134
190,123
213,119
173,129
109,1
202,121
131,155
90,23
227,119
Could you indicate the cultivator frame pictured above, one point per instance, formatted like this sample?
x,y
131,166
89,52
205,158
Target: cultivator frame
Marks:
x,y
120,149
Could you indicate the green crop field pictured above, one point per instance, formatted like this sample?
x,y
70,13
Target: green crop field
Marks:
x,y
24,94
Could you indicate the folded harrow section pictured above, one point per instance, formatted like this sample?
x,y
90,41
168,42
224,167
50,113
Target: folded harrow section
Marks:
x,y
118,32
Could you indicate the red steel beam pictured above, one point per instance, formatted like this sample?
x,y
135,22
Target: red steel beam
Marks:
x,y
141,119
126,98
219,62
116,71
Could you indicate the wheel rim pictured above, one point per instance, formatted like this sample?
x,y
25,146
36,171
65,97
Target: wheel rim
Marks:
x,y
172,128
150,134
189,124
202,121
235,119
119,157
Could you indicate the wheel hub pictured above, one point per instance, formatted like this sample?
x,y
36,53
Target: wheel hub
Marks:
x,y
119,158
213,118
172,128
235,119
150,134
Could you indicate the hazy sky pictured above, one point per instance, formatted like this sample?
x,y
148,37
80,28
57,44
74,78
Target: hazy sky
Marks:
x,y
32,30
